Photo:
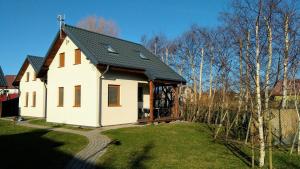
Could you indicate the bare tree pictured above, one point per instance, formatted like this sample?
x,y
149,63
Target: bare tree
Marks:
x,y
200,74
100,25
258,96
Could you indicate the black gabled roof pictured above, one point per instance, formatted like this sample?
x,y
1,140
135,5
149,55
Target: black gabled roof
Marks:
x,y
3,82
127,55
36,62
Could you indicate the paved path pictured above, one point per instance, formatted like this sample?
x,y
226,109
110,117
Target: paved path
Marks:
x,y
87,157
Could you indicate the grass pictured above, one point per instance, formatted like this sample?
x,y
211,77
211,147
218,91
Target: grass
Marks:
x,y
23,147
185,145
43,122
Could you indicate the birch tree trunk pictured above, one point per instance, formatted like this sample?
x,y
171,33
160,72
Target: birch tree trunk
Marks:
x,y
286,59
296,106
258,96
200,76
195,93
247,71
167,57
270,53
211,98
210,72
241,79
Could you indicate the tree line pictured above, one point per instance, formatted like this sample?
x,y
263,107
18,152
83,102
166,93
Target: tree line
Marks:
x,y
232,69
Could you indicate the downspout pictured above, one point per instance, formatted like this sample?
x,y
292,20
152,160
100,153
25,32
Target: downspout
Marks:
x,y
45,100
100,95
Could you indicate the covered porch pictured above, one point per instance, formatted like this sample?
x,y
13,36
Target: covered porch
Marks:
x,y
163,102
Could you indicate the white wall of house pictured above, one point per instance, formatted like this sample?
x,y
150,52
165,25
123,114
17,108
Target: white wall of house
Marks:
x,y
30,87
84,74
10,91
127,112
88,76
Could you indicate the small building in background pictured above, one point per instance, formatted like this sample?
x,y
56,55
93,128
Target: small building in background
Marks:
x,y
9,91
277,91
10,88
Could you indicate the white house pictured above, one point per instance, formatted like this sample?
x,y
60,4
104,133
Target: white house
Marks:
x,y
32,89
97,80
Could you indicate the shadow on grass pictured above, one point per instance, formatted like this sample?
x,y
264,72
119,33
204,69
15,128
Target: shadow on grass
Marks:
x,y
239,153
139,157
136,159
30,150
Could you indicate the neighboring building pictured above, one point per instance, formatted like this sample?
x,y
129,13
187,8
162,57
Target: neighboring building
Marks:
x,y
32,89
9,92
98,80
277,91
3,83
10,89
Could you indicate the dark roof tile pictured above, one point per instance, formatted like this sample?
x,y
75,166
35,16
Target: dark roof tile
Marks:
x,y
3,82
36,62
94,46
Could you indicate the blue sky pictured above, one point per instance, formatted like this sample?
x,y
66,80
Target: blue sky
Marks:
x,y
29,26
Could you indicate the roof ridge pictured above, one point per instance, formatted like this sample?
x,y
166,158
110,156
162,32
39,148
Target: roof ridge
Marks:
x,y
35,56
104,35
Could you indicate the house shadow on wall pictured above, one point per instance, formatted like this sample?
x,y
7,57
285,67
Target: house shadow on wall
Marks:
x,y
30,150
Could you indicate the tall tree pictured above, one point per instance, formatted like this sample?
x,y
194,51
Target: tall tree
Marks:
x,y
258,90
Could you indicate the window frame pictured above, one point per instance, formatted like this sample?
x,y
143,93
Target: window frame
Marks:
x,y
33,99
118,96
26,99
34,77
27,76
60,102
75,100
77,56
61,62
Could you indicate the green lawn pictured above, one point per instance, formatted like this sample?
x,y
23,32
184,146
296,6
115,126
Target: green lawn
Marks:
x,y
23,147
186,145
43,122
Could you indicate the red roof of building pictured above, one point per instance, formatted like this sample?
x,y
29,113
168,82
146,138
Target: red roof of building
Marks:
x,y
10,79
277,90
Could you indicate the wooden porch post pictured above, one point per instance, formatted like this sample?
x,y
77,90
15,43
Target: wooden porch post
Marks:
x,y
151,92
176,102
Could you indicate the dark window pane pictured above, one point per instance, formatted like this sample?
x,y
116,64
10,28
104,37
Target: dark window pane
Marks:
x,y
140,94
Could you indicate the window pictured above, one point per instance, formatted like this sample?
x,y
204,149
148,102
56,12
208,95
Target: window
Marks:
x,y
77,56
27,77
77,96
111,49
33,99
26,99
113,95
34,77
143,56
140,94
60,97
61,60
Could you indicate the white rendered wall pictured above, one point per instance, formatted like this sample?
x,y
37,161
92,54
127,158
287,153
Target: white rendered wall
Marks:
x,y
30,87
84,74
127,112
